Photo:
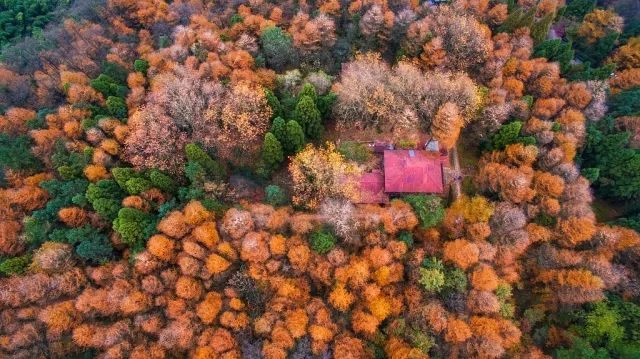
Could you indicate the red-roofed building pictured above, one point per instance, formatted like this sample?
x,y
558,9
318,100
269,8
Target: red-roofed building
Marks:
x,y
372,188
413,171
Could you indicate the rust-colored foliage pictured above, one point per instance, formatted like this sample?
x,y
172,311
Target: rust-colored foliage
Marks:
x,y
461,252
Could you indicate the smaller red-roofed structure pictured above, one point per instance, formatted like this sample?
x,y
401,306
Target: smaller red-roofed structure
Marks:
x,y
413,171
371,187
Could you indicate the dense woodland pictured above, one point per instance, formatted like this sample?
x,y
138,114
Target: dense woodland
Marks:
x,y
175,180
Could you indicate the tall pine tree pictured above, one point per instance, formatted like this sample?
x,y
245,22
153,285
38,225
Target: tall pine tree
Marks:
x,y
308,116
278,128
294,141
271,151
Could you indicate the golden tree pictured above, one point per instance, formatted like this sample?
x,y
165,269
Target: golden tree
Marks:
x,y
319,173
446,125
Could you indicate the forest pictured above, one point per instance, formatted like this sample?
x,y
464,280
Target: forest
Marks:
x,y
316,179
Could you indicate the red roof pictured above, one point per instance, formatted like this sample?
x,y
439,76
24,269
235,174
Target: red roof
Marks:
x,y
413,171
372,188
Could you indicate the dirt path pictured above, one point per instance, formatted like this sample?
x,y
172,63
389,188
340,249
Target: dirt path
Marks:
x,y
457,173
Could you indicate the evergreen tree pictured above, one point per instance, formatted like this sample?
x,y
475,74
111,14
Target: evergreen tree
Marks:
x,y
518,19
556,50
428,208
141,65
577,9
132,225
117,107
540,28
162,181
15,153
274,103
271,151
279,129
123,174
325,104
105,197
308,116
212,168
618,165
509,134
308,90
625,103
95,250
108,86
596,53
277,47
275,195
584,72
294,138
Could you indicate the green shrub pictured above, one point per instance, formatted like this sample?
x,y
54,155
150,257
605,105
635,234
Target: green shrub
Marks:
x,y
540,28
607,149
108,86
432,280
325,104
577,9
509,134
88,123
141,65
455,280
625,103
504,292
15,265
122,175
555,50
194,172
105,188
422,341
74,235
591,174
117,107
105,197
432,263
584,72
95,250
35,230
162,181
132,225
26,18
137,185
406,237
407,144
428,208
322,242
275,195
235,19
602,325
507,310
62,194
212,168
581,349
